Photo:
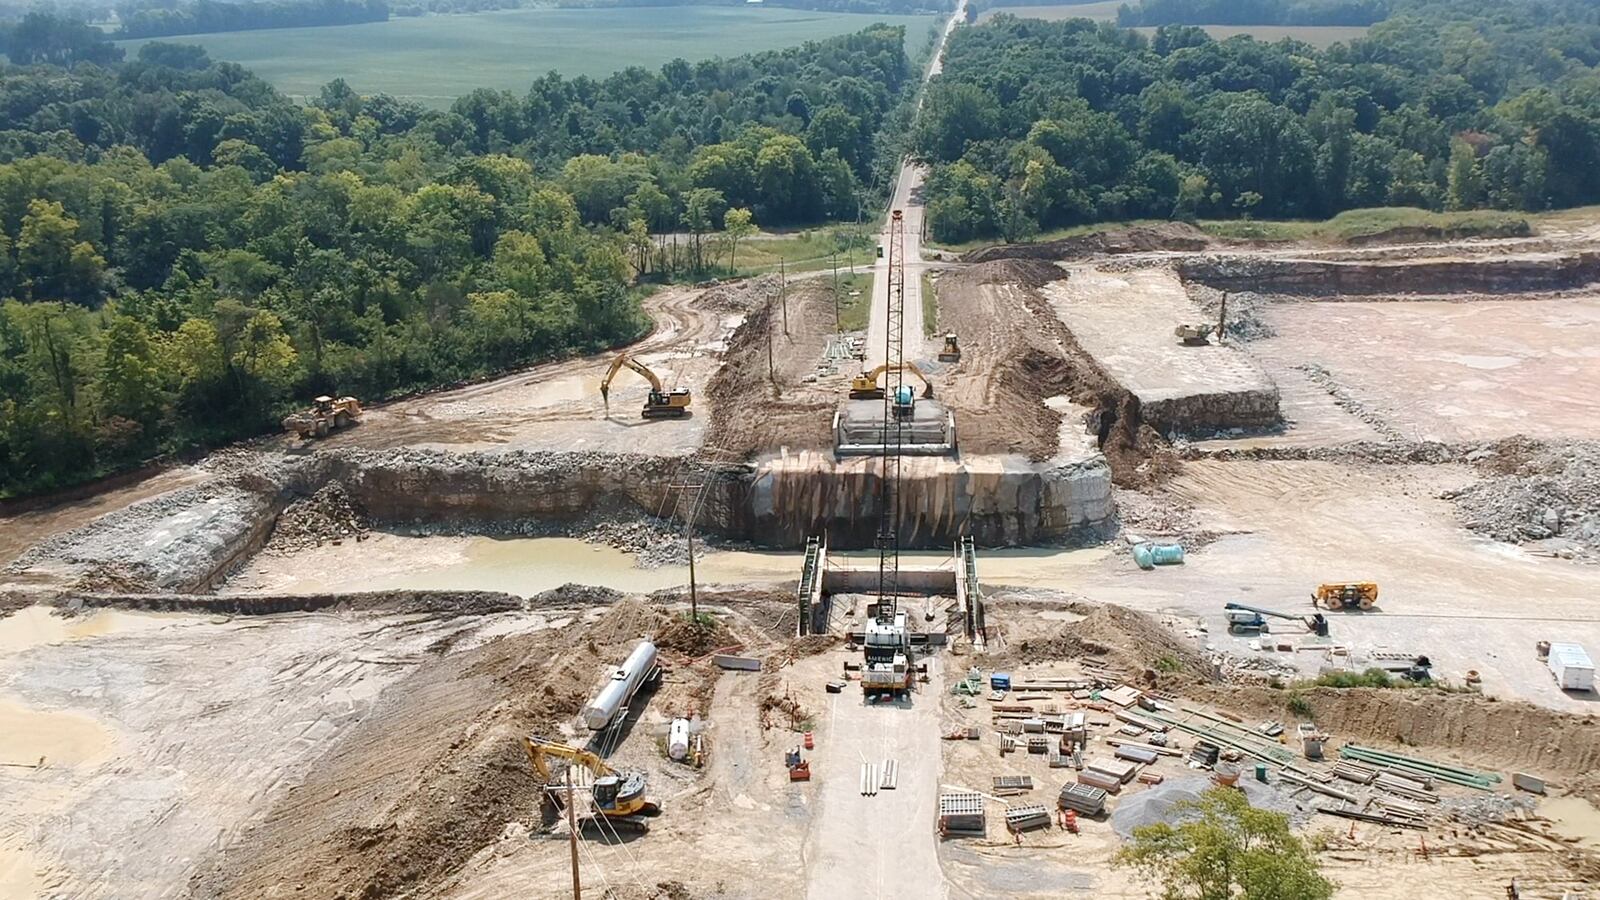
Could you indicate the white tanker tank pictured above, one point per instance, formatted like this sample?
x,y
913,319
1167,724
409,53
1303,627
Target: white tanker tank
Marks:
x,y
625,681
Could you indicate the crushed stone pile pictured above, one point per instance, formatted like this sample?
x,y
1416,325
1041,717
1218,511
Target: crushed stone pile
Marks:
x,y
328,515
741,296
1545,493
1245,321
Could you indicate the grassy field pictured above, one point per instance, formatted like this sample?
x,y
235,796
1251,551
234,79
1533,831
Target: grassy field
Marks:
x,y
434,59
1101,10
855,300
1346,226
1320,36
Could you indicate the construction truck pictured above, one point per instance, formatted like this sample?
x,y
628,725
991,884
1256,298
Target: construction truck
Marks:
x,y
952,349
866,387
617,799
1194,335
660,403
325,416
1346,595
887,667
1243,619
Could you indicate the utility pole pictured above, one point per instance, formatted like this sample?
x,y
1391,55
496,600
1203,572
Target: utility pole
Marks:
x,y
694,597
572,835
1222,320
772,375
837,326
783,293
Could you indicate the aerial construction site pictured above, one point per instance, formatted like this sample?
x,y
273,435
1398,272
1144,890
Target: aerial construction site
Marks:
x,y
945,606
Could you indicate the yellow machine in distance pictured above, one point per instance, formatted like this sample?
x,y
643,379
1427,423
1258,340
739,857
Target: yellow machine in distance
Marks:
x,y
326,415
618,797
1346,595
952,348
866,387
660,403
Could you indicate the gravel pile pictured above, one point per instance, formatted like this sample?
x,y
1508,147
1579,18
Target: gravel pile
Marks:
x,y
1548,493
328,515
1245,322
1484,809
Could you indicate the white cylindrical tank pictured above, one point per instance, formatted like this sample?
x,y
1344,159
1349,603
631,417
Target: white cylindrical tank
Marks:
x,y
625,681
678,740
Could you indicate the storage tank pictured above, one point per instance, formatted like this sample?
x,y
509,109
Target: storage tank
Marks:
x,y
1572,667
624,683
678,740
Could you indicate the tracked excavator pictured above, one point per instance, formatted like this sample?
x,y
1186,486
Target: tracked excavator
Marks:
x,y
618,797
660,403
866,387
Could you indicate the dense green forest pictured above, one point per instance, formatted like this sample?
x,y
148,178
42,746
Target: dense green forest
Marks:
x,y
1452,105
185,251
204,16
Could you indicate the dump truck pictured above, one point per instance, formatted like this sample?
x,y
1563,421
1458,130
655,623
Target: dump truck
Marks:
x,y
325,416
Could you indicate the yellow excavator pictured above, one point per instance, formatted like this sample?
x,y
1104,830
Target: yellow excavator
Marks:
x,y
866,387
618,797
660,404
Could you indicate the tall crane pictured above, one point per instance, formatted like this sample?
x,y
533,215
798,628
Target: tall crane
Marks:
x,y
887,666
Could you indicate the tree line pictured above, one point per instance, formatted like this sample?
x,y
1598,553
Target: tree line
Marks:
x,y
1459,105
205,16
186,254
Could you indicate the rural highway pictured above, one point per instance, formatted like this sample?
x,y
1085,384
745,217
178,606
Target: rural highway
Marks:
x,y
908,199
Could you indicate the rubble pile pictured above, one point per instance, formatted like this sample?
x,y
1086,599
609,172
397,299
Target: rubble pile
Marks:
x,y
1245,322
1547,494
328,515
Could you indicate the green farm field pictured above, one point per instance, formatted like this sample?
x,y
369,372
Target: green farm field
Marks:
x,y
434,59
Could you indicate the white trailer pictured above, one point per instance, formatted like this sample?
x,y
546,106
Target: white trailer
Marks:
x,y
1572,667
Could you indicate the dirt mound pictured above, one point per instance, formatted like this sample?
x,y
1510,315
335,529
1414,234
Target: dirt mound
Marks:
x,y
1031,272
1411,234
627,622
1502,734
575,595
1545,493
1179,236
328,515
740,296
1123,637
431,776
760,402
694,639
117,578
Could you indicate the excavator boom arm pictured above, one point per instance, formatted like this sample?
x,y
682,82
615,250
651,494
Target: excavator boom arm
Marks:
x,y
538,748
626,360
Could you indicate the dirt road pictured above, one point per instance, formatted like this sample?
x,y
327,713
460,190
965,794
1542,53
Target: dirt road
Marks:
x,y
557,406
880,846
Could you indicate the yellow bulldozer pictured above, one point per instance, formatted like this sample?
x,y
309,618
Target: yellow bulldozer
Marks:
x,y
325,416
617,799
1346,595
866,387
660,403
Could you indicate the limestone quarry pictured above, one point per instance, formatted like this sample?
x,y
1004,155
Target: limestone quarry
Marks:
x,y
305,668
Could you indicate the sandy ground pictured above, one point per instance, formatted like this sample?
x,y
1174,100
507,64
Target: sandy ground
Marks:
x,y
1125,320
1466,602
163,735
1443,371
557,406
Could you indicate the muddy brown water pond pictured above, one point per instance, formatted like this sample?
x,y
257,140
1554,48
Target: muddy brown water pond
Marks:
x,y
529,565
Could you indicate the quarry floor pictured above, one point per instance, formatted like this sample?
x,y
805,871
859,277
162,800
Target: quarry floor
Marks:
x,y
188,752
